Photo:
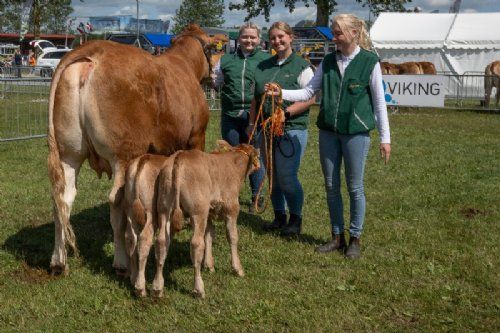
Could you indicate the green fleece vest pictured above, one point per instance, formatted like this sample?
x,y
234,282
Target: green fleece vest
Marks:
x,y
346,105
237,92
286,76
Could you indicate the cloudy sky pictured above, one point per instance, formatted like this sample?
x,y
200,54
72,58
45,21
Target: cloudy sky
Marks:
x,y
165,9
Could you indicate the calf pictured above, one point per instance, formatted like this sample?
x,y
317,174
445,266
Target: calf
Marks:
x,y
204,187
140,210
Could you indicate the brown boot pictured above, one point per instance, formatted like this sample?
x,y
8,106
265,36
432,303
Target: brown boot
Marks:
x,y
336,244
354,248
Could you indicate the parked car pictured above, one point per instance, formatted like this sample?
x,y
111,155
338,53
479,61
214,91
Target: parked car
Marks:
x,y
48,61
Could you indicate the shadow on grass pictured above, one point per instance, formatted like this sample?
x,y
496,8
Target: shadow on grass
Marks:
x,y
33,246
255,223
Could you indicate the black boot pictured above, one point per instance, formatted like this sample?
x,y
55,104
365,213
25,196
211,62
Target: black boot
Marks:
x,y
293,226
278,223
336,244
354,248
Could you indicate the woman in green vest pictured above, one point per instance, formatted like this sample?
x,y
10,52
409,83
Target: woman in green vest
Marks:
x,y
291,72
352,104
235,74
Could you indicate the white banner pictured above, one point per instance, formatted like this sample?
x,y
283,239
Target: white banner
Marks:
x,y
414,90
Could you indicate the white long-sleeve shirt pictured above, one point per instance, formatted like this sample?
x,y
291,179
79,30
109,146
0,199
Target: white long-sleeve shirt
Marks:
x,y
376,88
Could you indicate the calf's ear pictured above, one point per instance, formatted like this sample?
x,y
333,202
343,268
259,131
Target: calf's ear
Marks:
x,y
222,145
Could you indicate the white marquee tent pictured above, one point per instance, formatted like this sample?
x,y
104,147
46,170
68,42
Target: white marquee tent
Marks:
x,y
456,43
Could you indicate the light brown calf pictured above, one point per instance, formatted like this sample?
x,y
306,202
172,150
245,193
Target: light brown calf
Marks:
x,y
204,187
140,210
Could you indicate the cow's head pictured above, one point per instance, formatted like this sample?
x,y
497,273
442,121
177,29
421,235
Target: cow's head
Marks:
x,y
208,43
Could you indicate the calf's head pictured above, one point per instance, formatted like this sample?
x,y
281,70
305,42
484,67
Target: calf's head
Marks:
x,y
248,150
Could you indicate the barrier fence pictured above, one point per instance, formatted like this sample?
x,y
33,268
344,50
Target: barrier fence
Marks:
x,y
24,101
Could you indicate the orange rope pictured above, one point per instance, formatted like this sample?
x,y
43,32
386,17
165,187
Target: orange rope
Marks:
x,y
273,126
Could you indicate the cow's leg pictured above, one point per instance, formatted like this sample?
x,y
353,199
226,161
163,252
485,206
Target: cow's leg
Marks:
x,y
197,250
208,261
63,195
232,237
120,260
161,250
144,242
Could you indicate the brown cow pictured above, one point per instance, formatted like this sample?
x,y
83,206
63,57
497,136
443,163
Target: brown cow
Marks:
x,y
204,187
427,67
110,103
491,79
410,67
388,68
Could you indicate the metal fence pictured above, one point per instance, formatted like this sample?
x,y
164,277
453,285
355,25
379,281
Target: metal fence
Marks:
x,y
24,106
467,91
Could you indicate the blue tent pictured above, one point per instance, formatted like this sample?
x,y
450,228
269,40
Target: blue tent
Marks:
x,y
162,40
325,31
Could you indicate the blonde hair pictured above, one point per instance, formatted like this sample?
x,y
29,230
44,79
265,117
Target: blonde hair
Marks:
x,y
249,25
283,26
347,22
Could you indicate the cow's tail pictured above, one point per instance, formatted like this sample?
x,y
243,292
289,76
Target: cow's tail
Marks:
x,y
177,214
55,168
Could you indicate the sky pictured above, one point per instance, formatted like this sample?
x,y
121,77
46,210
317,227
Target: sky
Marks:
x,y
165,9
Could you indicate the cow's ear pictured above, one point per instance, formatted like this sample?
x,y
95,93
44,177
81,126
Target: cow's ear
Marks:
x,y
222,146
218,41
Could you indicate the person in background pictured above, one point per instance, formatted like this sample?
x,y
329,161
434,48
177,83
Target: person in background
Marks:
x,y
18,62
291,72
234,73
352,104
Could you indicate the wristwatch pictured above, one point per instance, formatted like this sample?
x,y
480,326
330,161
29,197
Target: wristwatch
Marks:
x,y
287,114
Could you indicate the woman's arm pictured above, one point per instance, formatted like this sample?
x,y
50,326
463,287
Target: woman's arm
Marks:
x,y
380,108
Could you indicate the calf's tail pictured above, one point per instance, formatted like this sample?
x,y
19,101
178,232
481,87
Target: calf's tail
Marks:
x,y
177,214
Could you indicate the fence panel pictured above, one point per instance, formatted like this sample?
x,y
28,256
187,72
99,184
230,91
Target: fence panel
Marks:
x,y
468,91
23,108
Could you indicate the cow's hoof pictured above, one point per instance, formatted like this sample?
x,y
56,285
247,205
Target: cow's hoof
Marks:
x,y
57,270
121,272
239,272
157,293
198,293
140,292
210,269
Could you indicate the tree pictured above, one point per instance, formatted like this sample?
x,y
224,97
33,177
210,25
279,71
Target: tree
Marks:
x,y
46,15
324,8
206,13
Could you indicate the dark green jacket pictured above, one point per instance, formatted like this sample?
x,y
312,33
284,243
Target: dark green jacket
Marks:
x,y
346,104
286,76
237,92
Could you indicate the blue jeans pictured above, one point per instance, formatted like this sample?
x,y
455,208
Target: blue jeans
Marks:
x,y
353,149
288,152
233,131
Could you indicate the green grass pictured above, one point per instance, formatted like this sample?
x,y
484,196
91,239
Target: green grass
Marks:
x,y
430,248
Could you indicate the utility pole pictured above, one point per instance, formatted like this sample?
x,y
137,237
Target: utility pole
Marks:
x,y
137,41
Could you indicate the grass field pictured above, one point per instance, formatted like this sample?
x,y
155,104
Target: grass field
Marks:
x,y
430,248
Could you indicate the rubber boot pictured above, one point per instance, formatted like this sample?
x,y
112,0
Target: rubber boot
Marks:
x,y
278,223
293,227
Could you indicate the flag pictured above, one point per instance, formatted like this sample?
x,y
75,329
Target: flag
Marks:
x,y
70,22
81,28
25,15
89,27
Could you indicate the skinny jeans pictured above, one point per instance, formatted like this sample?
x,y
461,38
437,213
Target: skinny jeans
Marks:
x,y
287,155
233,130
353,150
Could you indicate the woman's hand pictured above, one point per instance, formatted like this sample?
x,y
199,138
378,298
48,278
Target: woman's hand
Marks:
x,y
272,89
385,152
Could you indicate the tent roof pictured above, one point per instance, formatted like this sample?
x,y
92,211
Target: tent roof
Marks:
x,y
159,39
426,31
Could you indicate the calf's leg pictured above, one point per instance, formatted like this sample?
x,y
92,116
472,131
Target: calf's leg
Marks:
x,y
208,261
197,250
161,251
232,237
144,242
